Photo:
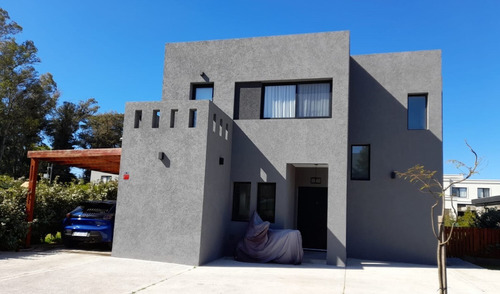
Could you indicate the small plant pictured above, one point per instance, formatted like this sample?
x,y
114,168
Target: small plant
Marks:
x,y
51,239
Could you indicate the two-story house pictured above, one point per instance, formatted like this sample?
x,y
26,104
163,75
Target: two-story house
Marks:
x,y
473,194
292,127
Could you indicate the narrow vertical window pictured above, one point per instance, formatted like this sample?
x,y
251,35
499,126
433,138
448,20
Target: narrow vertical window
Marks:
x,y
241,201
360,162
203,92
226,136
266,201
192,118
156,119
417,112
173,112
221,127
138,118
214,123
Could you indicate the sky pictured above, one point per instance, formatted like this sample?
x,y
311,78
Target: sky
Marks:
x,y
113,50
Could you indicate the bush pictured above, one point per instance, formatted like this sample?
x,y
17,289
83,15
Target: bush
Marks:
x,y
489,219
53,201
13,224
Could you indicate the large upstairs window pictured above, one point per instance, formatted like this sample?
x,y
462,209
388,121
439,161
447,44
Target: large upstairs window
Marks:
x,y
300,100
203,92
417,112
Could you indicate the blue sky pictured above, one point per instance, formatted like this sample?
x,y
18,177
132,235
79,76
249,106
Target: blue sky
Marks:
x,y
113,50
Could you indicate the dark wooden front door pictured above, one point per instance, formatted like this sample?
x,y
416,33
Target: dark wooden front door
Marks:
x,y
312,216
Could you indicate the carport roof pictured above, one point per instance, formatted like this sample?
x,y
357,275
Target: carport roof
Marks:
x,y
104,160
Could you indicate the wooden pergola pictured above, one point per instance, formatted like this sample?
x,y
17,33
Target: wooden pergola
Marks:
x,y
104,160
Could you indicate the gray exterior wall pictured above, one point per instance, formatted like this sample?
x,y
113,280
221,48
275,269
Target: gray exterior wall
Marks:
x,y
265,147
163,206
388,219
188,195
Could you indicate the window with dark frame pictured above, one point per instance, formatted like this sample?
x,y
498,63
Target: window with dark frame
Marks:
x,y
266,201
192,118
483,192
459,191
297,100
137,118
360,162
203,92
241,201
417,112
156,119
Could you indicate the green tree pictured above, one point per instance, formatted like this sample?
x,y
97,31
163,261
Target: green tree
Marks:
x,y
433,186
102,131
26,99
63,130
468,220
489,219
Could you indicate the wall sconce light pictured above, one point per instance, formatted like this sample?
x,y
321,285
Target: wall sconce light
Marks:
x,y
161,155
393,175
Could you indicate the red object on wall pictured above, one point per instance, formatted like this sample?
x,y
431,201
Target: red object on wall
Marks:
x,y
126,176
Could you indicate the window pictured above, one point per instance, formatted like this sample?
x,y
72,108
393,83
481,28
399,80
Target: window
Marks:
x,y
266,201
192,118
241,201
297,100
203,92
105,179
137,118
417,112
156,119
172,117
458,192
483,192
360,162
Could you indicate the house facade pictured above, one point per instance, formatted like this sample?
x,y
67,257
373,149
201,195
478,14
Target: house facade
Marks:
x,y
292,127
472,194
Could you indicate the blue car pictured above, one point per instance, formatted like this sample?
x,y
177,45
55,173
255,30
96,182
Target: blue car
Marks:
x,y
91,222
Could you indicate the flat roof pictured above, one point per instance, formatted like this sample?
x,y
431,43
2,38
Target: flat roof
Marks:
x,y
486,201
102,159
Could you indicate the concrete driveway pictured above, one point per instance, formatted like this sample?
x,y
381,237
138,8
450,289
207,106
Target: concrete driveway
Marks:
x,y
79,271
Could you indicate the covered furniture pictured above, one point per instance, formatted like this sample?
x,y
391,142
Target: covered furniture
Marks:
x,y
262,244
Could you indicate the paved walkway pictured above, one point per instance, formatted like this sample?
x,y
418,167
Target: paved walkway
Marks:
x,y
65,271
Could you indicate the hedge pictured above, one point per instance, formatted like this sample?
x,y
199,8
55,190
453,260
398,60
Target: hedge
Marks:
x,y
53,201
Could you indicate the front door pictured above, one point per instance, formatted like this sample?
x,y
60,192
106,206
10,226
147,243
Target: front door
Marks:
x,y
312,216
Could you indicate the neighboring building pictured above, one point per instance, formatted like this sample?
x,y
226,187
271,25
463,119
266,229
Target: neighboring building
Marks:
x,y
470,194
97,176
292,127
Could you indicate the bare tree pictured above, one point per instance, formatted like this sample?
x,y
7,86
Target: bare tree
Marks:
x,y
428,184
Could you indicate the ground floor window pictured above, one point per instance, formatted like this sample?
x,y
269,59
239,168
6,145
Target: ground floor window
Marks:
x,y
266,201
241,201
360,162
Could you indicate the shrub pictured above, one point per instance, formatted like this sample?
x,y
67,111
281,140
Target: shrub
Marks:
x,y
53,201
489,219
13,225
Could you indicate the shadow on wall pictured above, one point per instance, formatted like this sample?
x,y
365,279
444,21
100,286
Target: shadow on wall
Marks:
x,y
334,245
249,164
388,219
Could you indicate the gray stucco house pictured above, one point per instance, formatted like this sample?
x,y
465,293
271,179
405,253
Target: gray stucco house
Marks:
x,y
293,127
